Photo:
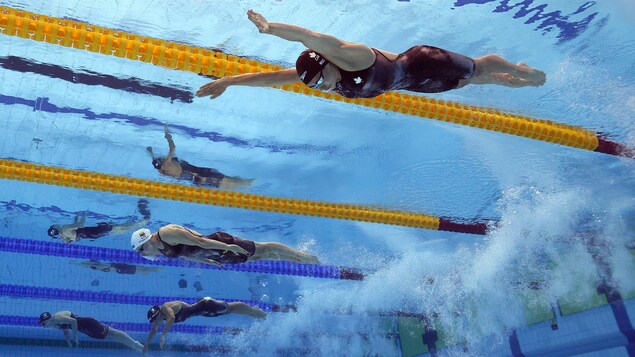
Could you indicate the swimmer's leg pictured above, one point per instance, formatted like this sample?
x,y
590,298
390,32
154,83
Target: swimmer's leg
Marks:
x,y
492,69
277,251
243,309
230,182
123,338
142,207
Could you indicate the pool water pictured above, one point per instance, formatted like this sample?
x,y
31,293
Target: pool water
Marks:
x,y
561,236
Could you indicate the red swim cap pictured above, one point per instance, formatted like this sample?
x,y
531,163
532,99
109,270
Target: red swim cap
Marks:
x,y
309,64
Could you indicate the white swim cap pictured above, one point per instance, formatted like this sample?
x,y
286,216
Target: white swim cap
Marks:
x,y
139,238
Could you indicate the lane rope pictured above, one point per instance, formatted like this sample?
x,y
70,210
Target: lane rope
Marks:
x,y
97,39
49,175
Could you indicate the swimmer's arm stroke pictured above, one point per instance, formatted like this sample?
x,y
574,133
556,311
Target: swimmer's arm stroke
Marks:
x,y
171,145
204,261
155,327
67,335
67,320
348,56
169,321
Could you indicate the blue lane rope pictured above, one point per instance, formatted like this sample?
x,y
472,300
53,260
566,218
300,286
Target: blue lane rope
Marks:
x,y
30,321
39,292
30,246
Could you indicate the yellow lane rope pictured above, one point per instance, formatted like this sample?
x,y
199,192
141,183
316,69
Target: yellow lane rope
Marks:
x,y
174,55
22,171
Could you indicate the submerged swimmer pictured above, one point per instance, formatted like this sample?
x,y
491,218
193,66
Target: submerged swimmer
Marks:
x,y
178,311
174,241
70,233
183,170
67,321
357,71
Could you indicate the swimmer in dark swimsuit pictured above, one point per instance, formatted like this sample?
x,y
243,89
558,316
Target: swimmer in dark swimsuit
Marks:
x,y
119,268
355,70
70,233
174,241
178,311
67,321
182,170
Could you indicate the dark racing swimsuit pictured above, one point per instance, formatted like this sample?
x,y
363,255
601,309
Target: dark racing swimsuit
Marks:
x,y
201,175
99,231
423,69
207,307
221,256
88,326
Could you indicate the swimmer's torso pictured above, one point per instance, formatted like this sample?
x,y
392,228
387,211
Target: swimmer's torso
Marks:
x,y
205,307
424,69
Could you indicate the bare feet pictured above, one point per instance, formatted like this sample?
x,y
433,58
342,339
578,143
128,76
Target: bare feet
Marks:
x,y
234,182
309,259
257,313
535,76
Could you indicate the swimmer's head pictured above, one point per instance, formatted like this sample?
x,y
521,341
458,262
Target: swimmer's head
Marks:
x,y
45,316
139,238
153,313
309,65
54,231
157,163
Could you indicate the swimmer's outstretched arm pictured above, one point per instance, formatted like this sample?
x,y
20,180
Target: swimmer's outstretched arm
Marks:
x,y
263,79
348,56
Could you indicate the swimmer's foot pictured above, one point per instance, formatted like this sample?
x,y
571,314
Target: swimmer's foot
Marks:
x,y
309,259
509,80
234,182
536,76
258,313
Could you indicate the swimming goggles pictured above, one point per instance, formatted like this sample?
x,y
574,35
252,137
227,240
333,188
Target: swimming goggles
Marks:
x,y
319,81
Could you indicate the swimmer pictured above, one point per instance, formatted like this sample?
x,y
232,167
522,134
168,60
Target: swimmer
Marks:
x,y
357,71
70,233
183,170
174,241
119,268
67,321
178,311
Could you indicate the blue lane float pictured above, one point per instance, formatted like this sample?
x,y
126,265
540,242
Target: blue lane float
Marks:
x,y
32,321
29,246
40,292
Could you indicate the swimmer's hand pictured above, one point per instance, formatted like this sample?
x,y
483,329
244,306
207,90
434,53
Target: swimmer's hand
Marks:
x,y
214,89
261,23
213,262
237,249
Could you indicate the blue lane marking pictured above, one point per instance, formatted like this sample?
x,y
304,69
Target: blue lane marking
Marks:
x,y
514,345
548,19
43,104
132,85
